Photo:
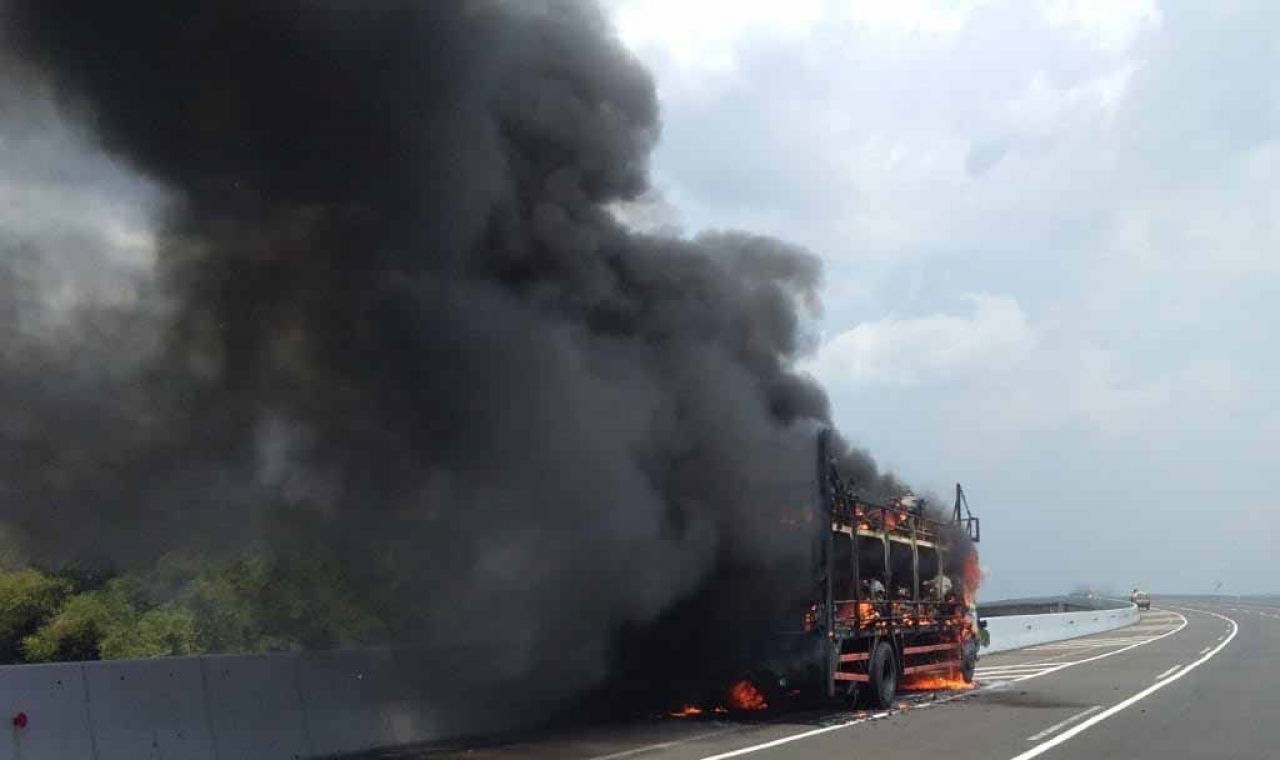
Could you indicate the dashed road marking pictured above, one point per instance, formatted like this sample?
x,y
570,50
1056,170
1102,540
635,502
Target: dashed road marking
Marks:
x,y
1168,672
1049,744
991,677
986,685
997,675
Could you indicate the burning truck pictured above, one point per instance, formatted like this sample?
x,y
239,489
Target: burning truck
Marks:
x,y
890,600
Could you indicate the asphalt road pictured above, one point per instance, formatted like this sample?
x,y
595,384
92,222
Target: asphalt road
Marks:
x,y
1193,681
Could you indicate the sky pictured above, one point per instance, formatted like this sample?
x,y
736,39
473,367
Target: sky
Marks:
x,y
1050,235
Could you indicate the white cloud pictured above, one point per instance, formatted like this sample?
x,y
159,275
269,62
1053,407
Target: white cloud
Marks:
x,y
1112,25
1043,106
703,35
1119,399
913,16
1113,400
910,351
1110,162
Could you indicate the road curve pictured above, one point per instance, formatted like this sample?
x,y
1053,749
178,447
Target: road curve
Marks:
x,y
1186,681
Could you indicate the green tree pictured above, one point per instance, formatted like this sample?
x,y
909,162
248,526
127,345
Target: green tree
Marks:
x,y
260,605
76,632
114,622
28,598
313,599
228,602
157,632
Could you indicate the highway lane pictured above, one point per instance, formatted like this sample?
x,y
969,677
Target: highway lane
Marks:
x,y
1229,708
1185,682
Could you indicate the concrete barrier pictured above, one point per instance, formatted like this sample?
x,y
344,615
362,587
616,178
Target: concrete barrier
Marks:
x,y
288,706
218,707
1018,631
148,708
255,707
53,701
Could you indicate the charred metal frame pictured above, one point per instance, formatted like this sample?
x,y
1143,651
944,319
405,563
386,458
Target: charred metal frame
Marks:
x,y
926,634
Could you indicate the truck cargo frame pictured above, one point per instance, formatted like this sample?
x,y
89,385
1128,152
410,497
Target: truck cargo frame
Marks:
x,y
870,640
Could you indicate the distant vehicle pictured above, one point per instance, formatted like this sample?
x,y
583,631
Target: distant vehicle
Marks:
x,y
1141,599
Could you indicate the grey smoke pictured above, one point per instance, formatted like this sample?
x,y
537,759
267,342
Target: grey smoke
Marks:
x,y
390,299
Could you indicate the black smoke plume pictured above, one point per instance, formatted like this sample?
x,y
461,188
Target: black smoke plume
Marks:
x,y
392,319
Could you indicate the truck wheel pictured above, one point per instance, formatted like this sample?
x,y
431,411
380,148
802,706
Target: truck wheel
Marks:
x,y
968,660
883,670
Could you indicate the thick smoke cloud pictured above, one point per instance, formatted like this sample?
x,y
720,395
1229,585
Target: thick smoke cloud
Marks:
x,y
392,316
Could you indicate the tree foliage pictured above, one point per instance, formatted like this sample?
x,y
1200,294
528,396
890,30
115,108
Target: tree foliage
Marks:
x,y
77,631
184,605
28,597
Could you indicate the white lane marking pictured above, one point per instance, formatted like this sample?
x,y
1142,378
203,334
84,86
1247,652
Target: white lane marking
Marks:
x,y
1063,724
1113,652
795,737
1084,644
944,700
1007,668
1049,744
667,745
1206,649
1169,672
998,679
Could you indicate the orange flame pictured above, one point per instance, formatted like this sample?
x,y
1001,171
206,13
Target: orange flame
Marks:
x,y
744,695
949,681
688,711
811,617
972,576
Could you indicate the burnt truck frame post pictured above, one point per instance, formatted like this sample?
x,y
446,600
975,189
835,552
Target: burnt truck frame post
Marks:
x,y
909,624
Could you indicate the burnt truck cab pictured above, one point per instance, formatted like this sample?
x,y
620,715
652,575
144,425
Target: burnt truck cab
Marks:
x,y
890,597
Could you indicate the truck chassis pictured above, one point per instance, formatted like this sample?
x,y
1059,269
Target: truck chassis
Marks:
x,y
892,592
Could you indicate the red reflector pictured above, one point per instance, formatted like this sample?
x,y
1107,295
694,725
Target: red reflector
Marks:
x,y
20,720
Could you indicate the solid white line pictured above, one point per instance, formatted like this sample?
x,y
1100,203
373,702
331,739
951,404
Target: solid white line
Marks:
x,y
944,700
795,737
665,745
1112,653
1044,747
1170,671
1063,724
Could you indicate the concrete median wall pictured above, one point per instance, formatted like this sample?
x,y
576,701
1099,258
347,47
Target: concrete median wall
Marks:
x,y
1017,631
272,707
287,706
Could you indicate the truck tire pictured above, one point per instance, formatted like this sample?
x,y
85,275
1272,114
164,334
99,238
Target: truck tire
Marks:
x,y
883,671
968,660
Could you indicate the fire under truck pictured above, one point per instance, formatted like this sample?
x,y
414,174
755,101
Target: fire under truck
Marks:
x,y
891,597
